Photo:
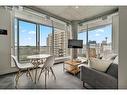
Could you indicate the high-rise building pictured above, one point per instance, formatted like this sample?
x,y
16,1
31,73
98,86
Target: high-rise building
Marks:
x,y
59,43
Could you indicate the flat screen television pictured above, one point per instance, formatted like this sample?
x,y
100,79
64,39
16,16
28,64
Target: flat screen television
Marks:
x,y
73,43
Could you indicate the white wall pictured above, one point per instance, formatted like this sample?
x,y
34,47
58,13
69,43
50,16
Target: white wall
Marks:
x,y
122,73
115,33
5,42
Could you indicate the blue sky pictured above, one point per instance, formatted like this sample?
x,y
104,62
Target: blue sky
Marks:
x,y
28,34
97,35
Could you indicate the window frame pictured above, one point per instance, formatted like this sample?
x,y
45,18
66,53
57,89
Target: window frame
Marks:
x,y
18,21
94,28
38,26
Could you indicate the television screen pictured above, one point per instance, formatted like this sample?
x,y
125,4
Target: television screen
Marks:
x,y
72,43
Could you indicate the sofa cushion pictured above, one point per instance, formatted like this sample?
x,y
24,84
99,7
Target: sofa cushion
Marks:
x,y
100,65
113,70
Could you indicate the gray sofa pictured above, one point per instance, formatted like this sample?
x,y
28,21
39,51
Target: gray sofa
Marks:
x,y
100,80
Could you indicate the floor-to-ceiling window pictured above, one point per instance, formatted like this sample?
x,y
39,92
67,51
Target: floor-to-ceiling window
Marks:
x,y
82,36
100,39
33,38
26,40
46,39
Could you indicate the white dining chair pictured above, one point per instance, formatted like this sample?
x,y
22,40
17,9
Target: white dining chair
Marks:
x,y
47,67
21,68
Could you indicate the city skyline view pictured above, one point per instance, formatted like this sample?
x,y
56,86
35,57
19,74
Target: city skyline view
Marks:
x,y
28,34
97,35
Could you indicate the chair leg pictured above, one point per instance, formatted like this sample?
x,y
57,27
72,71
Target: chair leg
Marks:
x,y
35,76
40,74
53,73
48,73
29,74
45,77
17,78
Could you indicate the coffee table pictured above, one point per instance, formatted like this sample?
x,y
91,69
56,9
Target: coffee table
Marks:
x,y
71,66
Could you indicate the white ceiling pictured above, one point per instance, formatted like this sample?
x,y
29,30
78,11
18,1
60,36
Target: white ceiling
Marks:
x,y
73,13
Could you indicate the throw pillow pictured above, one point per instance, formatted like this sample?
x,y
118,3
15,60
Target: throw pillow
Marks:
x,y
109,57
99,64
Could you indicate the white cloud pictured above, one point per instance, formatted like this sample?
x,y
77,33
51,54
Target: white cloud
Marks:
x,y
23,30
32,32
97,34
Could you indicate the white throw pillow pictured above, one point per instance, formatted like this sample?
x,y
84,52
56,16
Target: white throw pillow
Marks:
x,y
109,57
99,64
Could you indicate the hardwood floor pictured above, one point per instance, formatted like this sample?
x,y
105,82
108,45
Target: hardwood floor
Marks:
x,y
63,80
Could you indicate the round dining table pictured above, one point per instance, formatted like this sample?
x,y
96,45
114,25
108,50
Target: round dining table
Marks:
x,y
36,60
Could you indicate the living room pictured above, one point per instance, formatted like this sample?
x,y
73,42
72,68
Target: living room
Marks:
x,y
33,34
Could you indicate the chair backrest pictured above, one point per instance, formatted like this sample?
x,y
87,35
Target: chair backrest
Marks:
x,y
15,61
49,62
92,52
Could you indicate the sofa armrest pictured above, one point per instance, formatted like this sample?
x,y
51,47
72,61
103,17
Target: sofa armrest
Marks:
x,y
97,79
83,65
